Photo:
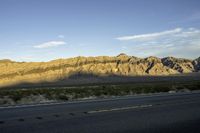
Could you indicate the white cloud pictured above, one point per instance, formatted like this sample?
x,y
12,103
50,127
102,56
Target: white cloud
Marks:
x,y
178,42
150,36
50,44
61,36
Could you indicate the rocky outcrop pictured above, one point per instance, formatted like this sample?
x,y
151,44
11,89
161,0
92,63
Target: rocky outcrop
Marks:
x,y
196,64
123,65
179,64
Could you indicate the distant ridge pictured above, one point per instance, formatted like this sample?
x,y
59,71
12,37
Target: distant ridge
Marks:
x,y
5,61
12,72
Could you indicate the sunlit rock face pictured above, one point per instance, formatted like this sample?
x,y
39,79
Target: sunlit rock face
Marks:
x,y
12,72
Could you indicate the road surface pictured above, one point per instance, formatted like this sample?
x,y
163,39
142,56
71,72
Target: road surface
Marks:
x,y
158,113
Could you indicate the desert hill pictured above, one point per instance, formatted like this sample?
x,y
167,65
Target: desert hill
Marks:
x,y
12,72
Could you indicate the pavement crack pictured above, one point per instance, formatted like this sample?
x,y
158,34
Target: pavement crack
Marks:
x,y
21,119
2,122
72,114
56,115
39,118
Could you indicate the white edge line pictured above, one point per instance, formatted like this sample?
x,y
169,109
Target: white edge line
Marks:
x,y
118,109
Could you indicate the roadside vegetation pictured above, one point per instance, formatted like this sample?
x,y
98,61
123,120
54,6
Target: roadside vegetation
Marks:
x,y
55,94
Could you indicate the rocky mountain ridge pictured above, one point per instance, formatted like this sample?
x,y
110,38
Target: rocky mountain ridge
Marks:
x,y
12,72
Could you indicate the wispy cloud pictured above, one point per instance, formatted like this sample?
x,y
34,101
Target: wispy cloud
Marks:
x,y
149,36
50,44
177,42
61,36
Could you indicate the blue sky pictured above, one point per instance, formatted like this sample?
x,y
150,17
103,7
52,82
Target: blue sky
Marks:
x,y
42,30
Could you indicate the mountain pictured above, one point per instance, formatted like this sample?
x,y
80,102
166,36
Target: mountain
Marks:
x,y
196,64
5,61
12,72
179,64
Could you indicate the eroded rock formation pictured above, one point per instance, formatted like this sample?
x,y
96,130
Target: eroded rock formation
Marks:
x,y
12,72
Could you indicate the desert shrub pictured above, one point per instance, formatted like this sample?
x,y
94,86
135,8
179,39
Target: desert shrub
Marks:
x,y
63,97
67,93
16,97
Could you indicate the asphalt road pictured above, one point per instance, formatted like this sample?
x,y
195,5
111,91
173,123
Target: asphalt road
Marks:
x,y
160,113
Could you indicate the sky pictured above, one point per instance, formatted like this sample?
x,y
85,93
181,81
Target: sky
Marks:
x,y
43,30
